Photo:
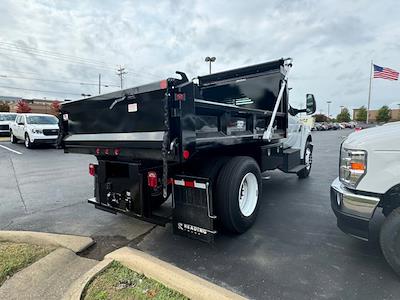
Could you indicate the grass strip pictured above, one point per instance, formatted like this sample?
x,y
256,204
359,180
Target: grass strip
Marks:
x,y
16,256
119,282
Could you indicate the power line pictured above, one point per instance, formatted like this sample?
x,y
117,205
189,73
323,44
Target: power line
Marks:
x,y
54,80
72,61
50,53
35,90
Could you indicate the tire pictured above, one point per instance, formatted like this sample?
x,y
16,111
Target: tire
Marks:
x,y
27,141
13,139
307,160
390,240
239,178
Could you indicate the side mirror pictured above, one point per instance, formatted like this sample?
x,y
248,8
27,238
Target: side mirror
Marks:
x,y
311,105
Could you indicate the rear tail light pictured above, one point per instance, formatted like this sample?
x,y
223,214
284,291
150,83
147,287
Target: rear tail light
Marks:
x,y
186,154
152,179
92,169
97,151
117,151
106,151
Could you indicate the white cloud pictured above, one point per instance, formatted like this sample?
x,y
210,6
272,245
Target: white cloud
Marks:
x,y
332,43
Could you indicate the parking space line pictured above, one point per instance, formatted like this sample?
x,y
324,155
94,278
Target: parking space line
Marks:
x,y
9,149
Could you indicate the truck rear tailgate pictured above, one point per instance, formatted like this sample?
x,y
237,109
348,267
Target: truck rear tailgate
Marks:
x,y
131,118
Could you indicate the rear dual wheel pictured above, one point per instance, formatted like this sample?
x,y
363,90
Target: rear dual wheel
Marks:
x,y
237,192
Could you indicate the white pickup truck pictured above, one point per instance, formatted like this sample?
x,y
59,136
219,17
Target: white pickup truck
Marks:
x,y
369,185
34,129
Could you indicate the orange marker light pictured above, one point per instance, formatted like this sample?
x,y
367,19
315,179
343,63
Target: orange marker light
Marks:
x,y
357,166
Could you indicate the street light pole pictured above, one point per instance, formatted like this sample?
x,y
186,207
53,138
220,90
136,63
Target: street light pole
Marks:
x,y
210,60
99,83
329,103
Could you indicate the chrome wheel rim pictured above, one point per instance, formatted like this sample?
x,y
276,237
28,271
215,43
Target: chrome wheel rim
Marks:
x,y
27,141
248,194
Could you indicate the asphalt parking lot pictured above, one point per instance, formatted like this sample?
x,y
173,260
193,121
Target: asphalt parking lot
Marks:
x,y
294,251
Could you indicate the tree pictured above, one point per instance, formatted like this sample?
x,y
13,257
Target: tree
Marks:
x,y
55,107
361,114
384,114
4,107
344,116
23,107
321,118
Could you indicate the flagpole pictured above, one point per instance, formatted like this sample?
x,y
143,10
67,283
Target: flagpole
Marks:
x,y
369,93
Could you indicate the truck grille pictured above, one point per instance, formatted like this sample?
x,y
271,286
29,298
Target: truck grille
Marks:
x,y
50,131
4,127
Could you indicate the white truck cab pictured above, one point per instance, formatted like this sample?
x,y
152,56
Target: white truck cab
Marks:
x,y
34,129
369,178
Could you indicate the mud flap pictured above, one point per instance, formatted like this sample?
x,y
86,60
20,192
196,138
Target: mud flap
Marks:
x,y
193,210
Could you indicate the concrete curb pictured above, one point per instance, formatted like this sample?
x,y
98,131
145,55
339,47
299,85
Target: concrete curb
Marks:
x,y
75,291
71,242
177,279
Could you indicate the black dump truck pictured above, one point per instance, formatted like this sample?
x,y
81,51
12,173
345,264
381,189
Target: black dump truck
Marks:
x,y
202,145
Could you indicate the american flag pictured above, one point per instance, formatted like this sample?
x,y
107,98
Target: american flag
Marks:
x,y
385,73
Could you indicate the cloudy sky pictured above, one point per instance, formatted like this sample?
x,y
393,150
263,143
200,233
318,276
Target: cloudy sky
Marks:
x,y
65,43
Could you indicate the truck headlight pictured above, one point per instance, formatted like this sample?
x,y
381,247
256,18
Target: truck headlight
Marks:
x,y
353,166
37,131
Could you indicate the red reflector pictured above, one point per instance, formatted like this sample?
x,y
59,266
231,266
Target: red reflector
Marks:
x,y
92,169
180,97
97,151
186,154
163,84
107,151
152,179
117,151
189,183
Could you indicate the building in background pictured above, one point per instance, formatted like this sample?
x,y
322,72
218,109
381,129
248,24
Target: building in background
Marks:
x,y
395,116
42,106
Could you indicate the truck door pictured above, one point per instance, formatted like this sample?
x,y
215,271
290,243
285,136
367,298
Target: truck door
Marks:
x,y
294,138
20,128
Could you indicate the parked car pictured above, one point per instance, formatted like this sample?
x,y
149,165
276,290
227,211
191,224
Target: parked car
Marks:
x,y
34,129
368,188
6,119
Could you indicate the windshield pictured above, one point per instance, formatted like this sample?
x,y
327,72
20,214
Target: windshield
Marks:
x,y
41,120
7,117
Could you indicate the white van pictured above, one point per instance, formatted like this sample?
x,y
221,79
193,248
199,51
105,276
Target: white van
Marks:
x,y
369,184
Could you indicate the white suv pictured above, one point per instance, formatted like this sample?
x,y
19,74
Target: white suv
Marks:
x,y
34,129
6,119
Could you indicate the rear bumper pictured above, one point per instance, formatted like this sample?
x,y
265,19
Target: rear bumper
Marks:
x,y
353,211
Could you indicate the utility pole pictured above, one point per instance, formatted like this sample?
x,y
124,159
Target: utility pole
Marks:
x,y
121,72
99,83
